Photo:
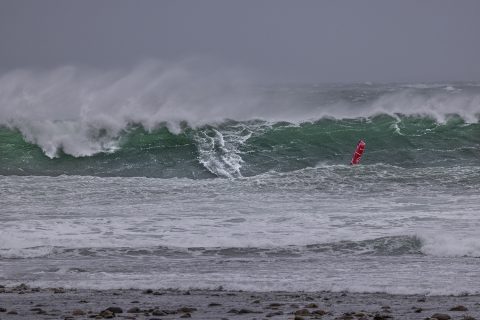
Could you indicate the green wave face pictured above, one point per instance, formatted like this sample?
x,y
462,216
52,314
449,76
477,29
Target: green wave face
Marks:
x,y
234,149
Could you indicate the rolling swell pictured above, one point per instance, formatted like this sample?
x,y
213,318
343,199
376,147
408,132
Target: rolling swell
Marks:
x,y
249,148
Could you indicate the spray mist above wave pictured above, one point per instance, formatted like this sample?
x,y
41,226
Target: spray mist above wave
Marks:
x,y
82,112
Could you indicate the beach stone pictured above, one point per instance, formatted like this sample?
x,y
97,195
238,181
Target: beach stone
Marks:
x,y
273,314
319,312
299,318
275,305
418,310
311,305
148,291
459,308
21,287
78,312
382,317
346,316
158,313
3,310
12,312
441,316
186,309
106,314
244,311
115,309
214,304
134,310
186,315
302,312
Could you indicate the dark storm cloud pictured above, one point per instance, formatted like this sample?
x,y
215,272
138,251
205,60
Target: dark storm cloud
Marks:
x,y
321,41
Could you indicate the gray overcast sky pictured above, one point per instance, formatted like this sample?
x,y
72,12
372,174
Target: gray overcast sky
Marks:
x,y
296,40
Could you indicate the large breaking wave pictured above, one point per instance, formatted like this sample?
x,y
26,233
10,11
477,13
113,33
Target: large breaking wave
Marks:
x,y
182,120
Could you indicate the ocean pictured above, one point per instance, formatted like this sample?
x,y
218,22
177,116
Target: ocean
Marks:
x,y
135,180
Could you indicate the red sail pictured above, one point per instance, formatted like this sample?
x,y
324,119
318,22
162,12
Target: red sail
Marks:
x,y
358,152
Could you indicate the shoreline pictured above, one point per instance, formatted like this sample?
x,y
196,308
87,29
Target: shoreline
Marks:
x,y
24,302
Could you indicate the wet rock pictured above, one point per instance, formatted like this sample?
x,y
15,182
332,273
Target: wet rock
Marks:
x,y
186,315
115,309
311,305
158,313
417,310
274,305
319,312
381,317
3,310
157,293
58,290
187,309
299,318
170,311
78,312
214,304
39,310
256,301
346,316
134,310
242,311
468,318
459,308
106,314
12,312
273,314
21,287
441,316
302,312
148,291
423,299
